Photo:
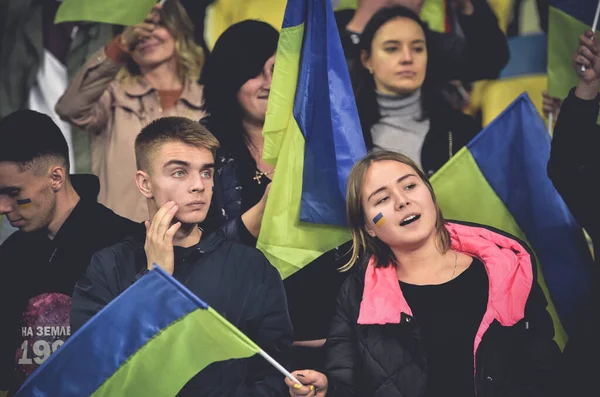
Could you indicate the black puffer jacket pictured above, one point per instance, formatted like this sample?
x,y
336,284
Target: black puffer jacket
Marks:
x,y
389,360
574,167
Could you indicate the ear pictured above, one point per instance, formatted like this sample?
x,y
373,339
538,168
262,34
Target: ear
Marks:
x,y
366,60
142,180
370,232
58,176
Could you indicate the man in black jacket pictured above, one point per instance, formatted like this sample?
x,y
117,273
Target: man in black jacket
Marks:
x,y
480,54
175,158
574,168
60,226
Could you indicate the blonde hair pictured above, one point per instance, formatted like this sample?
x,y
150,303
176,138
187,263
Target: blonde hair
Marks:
x,y
190,56
362,242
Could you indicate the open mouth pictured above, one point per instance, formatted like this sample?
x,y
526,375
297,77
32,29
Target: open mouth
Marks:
x,y
410,219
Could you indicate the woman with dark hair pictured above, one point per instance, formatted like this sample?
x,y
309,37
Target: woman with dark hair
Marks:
x,y
399,100
237,81
434,308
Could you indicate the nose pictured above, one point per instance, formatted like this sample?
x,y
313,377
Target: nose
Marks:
x,y
197,184
401,200
406,55
268,80
6,204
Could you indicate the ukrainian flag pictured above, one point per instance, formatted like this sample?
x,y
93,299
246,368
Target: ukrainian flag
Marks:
x,y
568,20
500,179
114,12
312,137
149,341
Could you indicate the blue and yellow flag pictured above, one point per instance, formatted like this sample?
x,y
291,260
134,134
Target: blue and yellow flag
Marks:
x,y
312,136
500,179
149,341
115,12
568,20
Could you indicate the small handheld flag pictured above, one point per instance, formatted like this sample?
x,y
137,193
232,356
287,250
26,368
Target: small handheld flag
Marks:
x,y
154,325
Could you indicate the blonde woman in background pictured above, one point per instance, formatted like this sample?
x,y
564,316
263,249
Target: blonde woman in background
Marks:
x,y
147,72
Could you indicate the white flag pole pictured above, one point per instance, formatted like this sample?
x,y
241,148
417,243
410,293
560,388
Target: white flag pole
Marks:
x,y
550,122
279,367
594,26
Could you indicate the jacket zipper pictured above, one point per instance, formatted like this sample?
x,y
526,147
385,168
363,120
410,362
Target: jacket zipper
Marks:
x,y
450,151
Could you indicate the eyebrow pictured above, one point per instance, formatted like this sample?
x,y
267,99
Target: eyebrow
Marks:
x,y
381,189
176,162
417,41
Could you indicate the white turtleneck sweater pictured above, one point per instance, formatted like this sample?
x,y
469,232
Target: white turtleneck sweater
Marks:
x,y
400,128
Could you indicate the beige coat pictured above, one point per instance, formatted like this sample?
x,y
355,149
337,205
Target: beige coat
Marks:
x,y
114,114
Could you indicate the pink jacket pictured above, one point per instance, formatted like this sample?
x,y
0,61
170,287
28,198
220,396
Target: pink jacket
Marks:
x,y
114,114
509,269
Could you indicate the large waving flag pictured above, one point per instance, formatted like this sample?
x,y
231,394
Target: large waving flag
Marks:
x,y
568,20
500,179
313,137
149,341
117,12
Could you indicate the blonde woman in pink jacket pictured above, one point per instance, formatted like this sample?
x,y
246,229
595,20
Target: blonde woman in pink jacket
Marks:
x,y
431,308
148,72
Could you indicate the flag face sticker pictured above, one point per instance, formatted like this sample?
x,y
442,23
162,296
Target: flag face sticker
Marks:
x,y
24,203
379,219
504,183
123,351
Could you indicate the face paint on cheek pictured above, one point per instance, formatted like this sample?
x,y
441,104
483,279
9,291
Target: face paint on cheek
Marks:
x,y
379,220
24,203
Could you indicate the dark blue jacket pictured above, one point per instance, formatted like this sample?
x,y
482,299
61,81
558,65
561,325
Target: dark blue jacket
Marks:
x,y
235,280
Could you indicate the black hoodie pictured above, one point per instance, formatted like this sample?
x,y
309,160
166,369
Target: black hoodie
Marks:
x,y
38,276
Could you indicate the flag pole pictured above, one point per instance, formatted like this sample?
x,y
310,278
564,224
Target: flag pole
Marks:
x,y
550,122
279,367
594,26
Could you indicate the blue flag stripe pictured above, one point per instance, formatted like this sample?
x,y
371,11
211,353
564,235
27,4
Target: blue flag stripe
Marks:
x,y
295,13
512,153
122,328
325,111
584,10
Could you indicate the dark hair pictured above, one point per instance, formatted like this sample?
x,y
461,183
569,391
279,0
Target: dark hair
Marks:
x,y
28,136
364,83
239,55
171,129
